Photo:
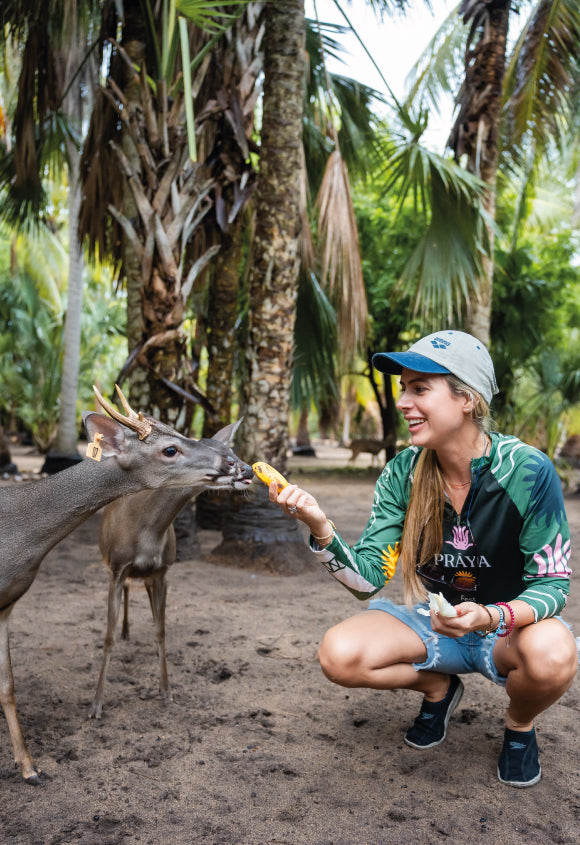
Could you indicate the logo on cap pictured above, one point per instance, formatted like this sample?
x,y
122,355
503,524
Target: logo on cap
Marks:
x,y
439,343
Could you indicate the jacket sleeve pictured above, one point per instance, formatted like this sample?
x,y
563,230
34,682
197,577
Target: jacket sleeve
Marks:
x,y
367,566
545,540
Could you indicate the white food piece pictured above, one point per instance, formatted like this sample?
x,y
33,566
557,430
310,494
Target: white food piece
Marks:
x,y
440,605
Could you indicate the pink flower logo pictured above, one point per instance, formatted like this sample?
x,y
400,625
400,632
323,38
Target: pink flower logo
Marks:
x,y
461,539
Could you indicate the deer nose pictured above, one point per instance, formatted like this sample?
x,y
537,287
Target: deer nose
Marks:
x,y
246,471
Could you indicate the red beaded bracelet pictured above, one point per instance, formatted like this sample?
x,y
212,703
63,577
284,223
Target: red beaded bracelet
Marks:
x,y
508,629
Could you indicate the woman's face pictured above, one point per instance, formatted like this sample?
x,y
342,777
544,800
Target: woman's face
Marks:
x,y
434,414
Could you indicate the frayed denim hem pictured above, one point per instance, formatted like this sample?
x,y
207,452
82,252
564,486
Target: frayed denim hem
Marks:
x,y
468,654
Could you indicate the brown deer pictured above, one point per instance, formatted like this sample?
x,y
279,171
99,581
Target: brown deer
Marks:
x,y
137,540
138,452
367,444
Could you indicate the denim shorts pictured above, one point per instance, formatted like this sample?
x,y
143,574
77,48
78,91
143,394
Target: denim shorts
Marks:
x,y
463,655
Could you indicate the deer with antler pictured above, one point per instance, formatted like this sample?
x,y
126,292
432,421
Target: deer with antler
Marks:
x,y
127,453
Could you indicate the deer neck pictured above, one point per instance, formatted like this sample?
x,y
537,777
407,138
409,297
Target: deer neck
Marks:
x,y
44,512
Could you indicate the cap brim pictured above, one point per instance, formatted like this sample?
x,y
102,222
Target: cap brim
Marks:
x,y
393,363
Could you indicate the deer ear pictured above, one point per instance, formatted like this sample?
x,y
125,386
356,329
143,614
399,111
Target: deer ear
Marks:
x,y
226,435
113,435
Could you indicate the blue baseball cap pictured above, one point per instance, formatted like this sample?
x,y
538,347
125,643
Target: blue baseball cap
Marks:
x,y
446,352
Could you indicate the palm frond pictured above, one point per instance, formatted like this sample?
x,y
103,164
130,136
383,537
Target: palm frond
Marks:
x,y
445,267
446,264
341,261
439,69
313,367
542,73
211,15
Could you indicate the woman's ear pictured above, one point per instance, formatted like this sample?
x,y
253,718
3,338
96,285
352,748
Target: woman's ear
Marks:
x,y
468,404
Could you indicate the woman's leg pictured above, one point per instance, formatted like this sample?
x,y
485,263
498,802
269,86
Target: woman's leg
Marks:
x,y
374,649
540,664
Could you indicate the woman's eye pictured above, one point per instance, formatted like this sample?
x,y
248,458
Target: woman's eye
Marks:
x,y
170,451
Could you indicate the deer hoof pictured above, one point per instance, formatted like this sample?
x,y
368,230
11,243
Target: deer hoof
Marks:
x,y
96,710
36,778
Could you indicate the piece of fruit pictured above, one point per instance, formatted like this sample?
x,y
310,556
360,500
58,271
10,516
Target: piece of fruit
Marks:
x,y
268,474
440,605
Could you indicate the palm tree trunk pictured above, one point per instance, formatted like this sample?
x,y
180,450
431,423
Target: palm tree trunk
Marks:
x,y
476,129
212,507
257,532
222,317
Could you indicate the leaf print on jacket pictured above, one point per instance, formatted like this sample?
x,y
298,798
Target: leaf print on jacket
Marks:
x,y
556,560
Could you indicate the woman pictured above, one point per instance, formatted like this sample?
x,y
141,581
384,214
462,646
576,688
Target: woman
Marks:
x,y
474,515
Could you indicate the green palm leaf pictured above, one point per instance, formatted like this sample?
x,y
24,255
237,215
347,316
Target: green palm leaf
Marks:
x,y
541,75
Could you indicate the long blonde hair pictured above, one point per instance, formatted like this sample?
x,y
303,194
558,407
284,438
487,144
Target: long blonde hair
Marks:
x,y
423,529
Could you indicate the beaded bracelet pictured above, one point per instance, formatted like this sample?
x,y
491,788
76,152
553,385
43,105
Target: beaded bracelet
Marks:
x,y
506,630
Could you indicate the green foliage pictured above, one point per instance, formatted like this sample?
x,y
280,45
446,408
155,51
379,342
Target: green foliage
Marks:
x,y
31,350
30,357
446,264
314,369
535,320
387,238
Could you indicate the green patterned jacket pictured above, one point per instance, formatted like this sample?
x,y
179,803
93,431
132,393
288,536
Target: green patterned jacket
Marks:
x,y
511,539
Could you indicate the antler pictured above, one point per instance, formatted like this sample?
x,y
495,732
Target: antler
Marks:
x,y
133,420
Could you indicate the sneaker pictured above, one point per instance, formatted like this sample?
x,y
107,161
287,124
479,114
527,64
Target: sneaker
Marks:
x,y
430,726
519,761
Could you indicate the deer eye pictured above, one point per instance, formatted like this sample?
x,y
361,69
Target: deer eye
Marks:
x,y
170,451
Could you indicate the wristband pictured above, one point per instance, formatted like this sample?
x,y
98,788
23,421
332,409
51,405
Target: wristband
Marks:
x,y
328,536
507,629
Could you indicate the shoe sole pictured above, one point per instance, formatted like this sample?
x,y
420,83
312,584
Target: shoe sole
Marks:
x,y
454,702
519,784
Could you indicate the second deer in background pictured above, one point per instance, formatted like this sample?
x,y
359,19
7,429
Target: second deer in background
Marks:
x,y
368,444
137,540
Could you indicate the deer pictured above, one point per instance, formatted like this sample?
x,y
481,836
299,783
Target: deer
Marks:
x,y
128,453
137,540
370,445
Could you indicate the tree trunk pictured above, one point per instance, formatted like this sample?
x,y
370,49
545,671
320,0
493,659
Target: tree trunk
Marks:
x,y
387,407
6,464
212,507
64,452
257,533
222,318
476,129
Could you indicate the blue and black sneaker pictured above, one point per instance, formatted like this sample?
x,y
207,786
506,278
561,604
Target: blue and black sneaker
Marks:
x,y
430,726
519,761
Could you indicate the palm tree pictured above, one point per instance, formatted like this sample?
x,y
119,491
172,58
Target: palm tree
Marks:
x,y
76,85
272,289
47,120
518,107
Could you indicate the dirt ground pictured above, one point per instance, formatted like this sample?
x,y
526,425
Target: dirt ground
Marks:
x,y
257,746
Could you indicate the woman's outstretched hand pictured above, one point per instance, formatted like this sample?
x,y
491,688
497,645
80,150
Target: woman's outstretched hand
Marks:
x,y
303,506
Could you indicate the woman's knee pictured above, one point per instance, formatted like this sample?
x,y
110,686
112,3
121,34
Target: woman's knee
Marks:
x,y
550,661
340,657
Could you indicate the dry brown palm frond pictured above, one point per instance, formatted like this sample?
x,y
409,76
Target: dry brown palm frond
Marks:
x,y
341,259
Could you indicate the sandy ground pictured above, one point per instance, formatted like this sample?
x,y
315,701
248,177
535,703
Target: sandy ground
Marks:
x,y
257,746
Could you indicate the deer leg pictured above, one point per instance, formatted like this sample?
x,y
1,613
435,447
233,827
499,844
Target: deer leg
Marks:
x,y
22,757
157,592
125,628
113,607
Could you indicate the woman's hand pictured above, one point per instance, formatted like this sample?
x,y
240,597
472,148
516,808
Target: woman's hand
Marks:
x,y
470,617
302,505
